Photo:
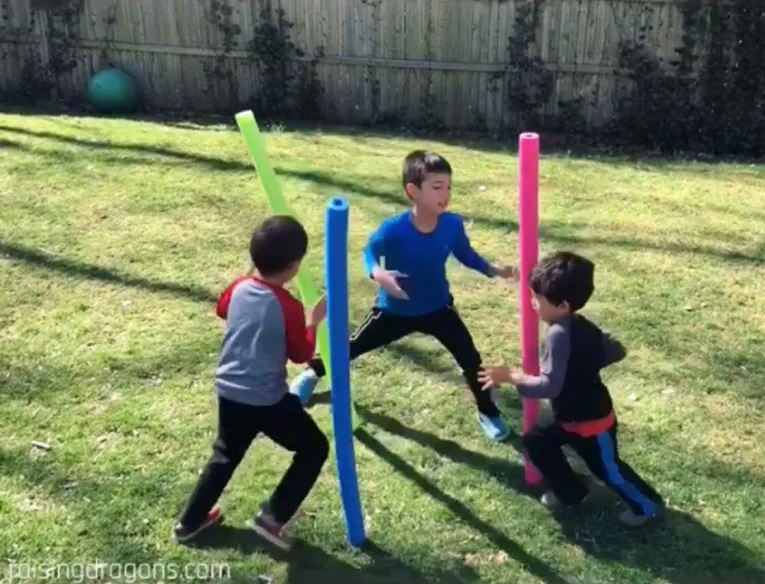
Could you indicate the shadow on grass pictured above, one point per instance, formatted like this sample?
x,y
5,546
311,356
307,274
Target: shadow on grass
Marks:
x,y
87,271
427,359
678,549
611,148
507,472
535,566
573,146
211,162
550,232
309,564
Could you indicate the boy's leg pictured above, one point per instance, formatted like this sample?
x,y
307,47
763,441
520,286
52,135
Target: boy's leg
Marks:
x,y
290,426
238,424
447,326
376,330
601,455
544,445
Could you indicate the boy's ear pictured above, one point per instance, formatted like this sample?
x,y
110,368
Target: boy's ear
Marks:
x,y
565,305
411,190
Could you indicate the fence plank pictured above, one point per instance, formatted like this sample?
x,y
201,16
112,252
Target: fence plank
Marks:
x,y
396,58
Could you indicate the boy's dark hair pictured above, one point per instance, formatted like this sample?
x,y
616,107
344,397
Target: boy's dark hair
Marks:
x,y
419,163
564,276
277,243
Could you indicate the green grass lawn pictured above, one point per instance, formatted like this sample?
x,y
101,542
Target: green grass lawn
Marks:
x,y
116,236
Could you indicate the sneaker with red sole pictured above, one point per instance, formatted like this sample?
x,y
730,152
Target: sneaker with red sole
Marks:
x,y
267,527
182,534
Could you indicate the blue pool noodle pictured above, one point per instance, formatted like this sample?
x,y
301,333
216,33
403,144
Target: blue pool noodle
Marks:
x,y
340,374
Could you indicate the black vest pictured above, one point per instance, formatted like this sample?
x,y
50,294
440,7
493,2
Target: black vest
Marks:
x,y
584,396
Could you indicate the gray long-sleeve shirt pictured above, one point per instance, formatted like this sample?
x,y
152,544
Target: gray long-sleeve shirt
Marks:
x,y
555,359
265,326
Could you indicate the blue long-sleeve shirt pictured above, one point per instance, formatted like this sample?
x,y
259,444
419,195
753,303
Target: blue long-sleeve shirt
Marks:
x,y
422,257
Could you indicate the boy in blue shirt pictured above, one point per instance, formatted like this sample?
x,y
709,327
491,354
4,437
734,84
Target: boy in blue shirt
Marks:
x,y
407,258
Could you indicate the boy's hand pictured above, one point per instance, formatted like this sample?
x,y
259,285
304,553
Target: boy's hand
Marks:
x,y
318,313
491,376
508,272
387,280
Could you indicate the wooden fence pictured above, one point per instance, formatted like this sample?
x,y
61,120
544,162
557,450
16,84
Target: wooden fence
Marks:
x,y
445,61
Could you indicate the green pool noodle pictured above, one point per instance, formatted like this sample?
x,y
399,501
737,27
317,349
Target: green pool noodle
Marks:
x,y
309,293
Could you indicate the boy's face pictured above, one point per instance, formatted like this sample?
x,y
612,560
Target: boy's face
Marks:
x,y
549,312
434,194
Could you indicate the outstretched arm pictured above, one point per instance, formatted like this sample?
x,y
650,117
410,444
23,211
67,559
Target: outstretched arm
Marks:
x,y
387,280
549,383
467,256
373,250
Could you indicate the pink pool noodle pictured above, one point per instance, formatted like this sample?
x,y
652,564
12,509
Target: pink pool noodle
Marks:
x,y
528,183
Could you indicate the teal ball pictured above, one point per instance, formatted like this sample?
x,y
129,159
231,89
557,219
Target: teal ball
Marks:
x,y
112,91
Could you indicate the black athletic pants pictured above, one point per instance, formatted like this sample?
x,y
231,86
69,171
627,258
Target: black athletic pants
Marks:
x,y
382,328
287,424
600,453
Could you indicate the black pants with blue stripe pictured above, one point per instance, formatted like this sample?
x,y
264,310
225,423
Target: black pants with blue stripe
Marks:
x,y
600,453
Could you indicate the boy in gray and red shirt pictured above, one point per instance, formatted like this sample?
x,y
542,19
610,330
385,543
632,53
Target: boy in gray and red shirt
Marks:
x,y
265,326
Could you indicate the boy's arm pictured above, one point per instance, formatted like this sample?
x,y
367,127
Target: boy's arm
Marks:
x,y
301,339
224,300
549,384
387,280
613,350
466,255
373,250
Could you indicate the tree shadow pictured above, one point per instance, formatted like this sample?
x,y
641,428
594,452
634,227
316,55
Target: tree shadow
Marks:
x,y
82,270
608,148
597,145
534,565
210,162
549,231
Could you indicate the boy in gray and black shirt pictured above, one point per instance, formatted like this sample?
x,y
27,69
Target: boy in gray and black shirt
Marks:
x,y
575,352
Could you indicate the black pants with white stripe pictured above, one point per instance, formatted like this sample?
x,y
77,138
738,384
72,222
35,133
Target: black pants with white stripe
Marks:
x,y
600,453
382,328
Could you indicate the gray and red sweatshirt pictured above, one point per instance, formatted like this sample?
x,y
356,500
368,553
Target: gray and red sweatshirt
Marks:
x,y
265,326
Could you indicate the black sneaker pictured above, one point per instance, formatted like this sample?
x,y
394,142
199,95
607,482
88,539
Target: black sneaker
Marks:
x,y
182,534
